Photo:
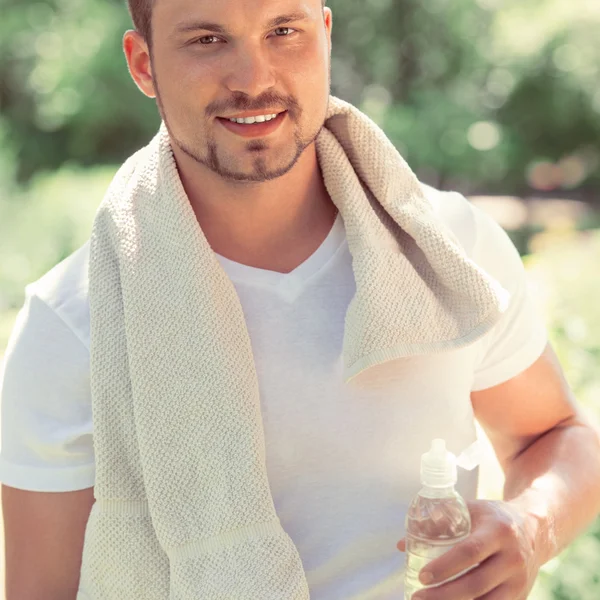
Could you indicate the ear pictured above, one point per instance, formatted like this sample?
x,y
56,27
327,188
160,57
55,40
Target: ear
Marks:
x,y
137,54
328,18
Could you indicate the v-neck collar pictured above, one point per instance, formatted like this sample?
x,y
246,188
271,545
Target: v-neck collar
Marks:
x,y
289,284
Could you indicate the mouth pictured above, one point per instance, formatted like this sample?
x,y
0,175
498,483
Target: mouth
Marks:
x,y
259,128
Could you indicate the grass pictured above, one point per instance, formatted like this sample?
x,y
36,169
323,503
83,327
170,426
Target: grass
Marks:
x,y
7,321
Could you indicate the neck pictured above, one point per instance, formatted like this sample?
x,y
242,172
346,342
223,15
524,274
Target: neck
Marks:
x,y
273,225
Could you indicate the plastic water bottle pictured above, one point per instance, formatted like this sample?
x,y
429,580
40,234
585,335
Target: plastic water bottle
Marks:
x,y
438,517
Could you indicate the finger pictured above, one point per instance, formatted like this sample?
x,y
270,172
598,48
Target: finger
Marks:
x,y
475,549
476,583
401,545
502,592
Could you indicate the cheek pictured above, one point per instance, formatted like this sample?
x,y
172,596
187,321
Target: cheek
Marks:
x,y
306,75
306,61
195,80
183,79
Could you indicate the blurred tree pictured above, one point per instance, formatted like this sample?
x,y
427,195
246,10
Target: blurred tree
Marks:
x,y
476,93
66,95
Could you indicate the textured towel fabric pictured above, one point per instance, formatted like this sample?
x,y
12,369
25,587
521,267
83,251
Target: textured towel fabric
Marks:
x,y
183,506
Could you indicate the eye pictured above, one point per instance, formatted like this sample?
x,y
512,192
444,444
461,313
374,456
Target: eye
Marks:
x,y
284,31
207,40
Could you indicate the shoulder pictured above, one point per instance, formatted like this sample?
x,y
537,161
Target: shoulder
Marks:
x,y
520,336
45,394
481,238
63,290
456,213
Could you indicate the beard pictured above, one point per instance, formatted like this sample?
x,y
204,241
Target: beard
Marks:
x,y
258,163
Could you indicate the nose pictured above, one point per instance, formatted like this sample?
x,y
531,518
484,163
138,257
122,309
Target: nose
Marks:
x,y
250,71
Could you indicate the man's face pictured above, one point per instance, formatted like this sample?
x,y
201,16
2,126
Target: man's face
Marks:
x,y
217,60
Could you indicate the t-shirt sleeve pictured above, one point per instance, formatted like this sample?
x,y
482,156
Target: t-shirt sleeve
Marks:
x,y
45,405
519,338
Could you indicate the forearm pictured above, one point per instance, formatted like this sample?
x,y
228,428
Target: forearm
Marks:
x,y
557,481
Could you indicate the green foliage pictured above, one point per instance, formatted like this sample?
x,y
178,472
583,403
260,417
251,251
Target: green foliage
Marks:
x,y
525,72
44,223
564,277
66,93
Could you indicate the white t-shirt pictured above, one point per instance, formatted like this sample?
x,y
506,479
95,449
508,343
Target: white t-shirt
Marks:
x,y
342,460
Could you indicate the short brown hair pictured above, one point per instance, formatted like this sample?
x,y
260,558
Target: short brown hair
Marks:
x,y
141,15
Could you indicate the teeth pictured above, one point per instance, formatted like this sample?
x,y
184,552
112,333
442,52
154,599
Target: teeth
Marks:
x,y
251,120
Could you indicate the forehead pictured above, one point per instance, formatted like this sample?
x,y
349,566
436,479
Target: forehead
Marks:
x,y
168,15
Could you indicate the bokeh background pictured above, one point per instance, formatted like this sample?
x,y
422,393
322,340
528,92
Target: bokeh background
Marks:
x,y
498,99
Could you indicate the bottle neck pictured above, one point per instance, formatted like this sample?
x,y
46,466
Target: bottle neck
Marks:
x,y
438,492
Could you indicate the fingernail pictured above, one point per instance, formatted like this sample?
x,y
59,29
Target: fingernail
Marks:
x,y
426,578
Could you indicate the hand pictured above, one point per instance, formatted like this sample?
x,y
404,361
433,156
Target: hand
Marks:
x,y
502,544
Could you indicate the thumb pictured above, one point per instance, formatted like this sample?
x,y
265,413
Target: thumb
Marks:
x,y
401,545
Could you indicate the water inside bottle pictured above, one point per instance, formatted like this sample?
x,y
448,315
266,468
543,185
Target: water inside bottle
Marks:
x,y
418,554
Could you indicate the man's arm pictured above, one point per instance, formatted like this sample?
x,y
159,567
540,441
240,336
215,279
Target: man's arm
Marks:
x,y
549,453
44,533
551,459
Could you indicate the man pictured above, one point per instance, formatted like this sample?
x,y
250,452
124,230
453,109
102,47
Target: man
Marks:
x,y
342,459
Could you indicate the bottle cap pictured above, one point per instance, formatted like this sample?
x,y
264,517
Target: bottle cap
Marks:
x,y
438,466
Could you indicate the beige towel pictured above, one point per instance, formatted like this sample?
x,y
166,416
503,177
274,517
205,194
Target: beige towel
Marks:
x,y
184,509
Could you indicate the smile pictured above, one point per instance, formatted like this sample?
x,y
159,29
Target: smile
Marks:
x,y
257,126
257,119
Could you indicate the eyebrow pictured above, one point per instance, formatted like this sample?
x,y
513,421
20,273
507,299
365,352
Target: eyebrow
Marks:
x,y
187,27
